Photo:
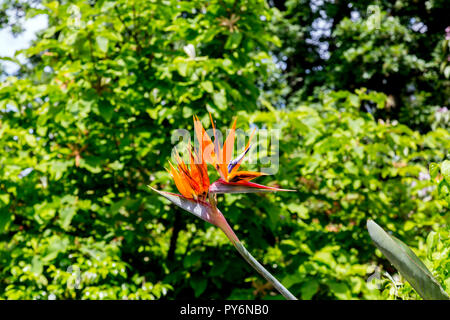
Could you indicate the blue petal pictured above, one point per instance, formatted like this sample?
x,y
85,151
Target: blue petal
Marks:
x,y
235,161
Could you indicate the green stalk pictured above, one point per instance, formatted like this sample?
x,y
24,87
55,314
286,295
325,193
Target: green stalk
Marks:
x,y
222,223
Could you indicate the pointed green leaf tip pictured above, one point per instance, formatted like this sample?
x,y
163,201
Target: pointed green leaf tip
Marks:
x,y
407,263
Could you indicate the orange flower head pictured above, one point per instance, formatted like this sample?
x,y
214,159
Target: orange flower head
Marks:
x,y
220,158
191,181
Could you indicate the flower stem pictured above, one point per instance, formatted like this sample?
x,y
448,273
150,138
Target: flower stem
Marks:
x,y
225,227
219,220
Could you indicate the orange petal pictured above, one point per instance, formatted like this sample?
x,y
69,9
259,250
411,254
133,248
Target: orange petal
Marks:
x,y
199,173
203,170
205,143
204,179
189,180
220,166
179,183
185,174
244,176
228,146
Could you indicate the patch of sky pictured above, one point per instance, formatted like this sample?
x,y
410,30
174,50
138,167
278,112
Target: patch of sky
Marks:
x,y
9,43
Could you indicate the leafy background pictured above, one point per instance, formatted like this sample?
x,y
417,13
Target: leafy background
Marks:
x,y
360,94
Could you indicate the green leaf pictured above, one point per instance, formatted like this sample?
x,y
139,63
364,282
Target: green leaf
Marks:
x,y
56,245
208,86
106,110
233,40
434,170
37,266
407,263
431,242
220,100
102,43
299,209
447,72
66,214
91,164
445,170
199,285
354,100
4,198
192,259
339,289
309,289
182,68
187,112
5,219
31,140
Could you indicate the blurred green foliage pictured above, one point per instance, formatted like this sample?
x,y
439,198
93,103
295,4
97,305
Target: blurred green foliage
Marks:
x,y
87,124
400,48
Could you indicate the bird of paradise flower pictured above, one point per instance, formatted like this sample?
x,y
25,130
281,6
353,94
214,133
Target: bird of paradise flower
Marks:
x,y
198,196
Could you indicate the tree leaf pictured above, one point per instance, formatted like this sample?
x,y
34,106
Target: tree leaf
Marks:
x,y
37,266
220,100
182,68
233,40
199,285
106,110
445,169
56,245
66,214
208,86
190,51
434,169
309,289
407,263
5,219
102,43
